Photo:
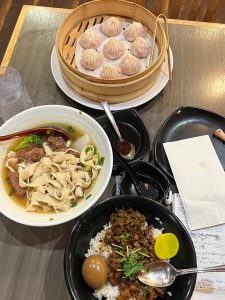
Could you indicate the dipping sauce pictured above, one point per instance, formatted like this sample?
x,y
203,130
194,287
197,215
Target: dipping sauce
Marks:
x,y
95,271
124,147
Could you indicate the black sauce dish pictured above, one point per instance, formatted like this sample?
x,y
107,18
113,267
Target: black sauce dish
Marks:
x,y
94,220
160,184
132,129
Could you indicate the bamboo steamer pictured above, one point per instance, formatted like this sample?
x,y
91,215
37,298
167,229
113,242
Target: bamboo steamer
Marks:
x,y
98,89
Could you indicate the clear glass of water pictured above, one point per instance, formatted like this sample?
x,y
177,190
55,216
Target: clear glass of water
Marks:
x,y
14,97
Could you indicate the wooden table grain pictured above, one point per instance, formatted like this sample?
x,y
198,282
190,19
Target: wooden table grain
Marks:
x,y
31,259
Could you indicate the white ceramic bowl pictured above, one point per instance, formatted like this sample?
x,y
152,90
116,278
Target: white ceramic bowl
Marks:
x,y
47,114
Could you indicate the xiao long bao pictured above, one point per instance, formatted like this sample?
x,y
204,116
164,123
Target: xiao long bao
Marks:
x,y
114,49
112,27
130,65
140,48
91,59
90,40
110,71
133,31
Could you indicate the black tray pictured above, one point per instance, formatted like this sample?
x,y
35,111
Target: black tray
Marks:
x,y
187,122
137,134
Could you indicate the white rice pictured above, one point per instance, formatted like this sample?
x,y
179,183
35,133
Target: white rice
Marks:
x,y
108,291
156,232
98,247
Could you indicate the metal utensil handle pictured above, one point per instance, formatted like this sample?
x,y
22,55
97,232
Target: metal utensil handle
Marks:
x,y
202,270
111,118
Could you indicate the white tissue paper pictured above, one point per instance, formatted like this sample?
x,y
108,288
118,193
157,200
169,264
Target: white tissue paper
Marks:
x,y
200,179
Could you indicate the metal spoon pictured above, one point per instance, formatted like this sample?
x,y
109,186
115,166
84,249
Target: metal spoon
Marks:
x,y
126,149
162,274
34,131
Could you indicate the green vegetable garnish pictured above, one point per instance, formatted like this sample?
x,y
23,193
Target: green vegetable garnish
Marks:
x,y
80,112
88,196
88,149
132,262
132,268
11,192
70,129
123,237
88,168
31,139
146,291
97,156
95,149
101,161
74,204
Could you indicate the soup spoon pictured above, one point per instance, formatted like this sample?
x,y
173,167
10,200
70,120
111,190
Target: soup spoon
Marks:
x,y
37,130
142,183
126,149
162,274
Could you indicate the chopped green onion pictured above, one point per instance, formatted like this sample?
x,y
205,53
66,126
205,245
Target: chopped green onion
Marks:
x,y
74,204
120,253
117,246
80,112
70,129
144,254
87,168
101,161
123,237
87,149
88,196
11,192
95,149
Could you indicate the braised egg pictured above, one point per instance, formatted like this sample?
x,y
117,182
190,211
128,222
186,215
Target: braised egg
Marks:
x,y
95,271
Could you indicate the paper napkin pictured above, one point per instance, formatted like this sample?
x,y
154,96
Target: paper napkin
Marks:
x,y
200,179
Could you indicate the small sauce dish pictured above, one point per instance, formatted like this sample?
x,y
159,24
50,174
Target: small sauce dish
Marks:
x,y
160,183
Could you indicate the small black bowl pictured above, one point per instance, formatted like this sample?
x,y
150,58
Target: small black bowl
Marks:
x,y
160,183
132,129
94,220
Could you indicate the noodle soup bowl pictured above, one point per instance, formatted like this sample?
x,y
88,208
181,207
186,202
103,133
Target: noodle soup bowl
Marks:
x,y
51,115
94,221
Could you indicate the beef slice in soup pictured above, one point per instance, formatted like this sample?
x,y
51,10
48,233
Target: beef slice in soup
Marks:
x,y
56,142
14,182
31,154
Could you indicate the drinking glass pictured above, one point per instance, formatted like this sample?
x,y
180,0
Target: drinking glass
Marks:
x,y
14,97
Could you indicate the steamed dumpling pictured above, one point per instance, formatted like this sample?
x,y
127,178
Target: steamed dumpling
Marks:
x,y
114,49
133,31
140,47
91,59
130,65
112,27
90,40
110,71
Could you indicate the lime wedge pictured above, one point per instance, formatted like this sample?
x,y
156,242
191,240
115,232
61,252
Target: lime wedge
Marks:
x,y
166,246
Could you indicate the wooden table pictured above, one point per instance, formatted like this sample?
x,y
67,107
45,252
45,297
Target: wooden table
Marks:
x,y
31,259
